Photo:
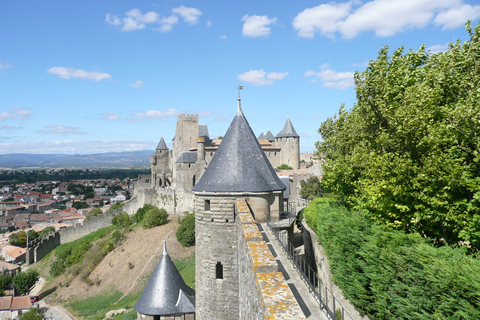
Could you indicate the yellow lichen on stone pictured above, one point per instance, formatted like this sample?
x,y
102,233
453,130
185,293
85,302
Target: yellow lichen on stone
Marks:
x,y
277,298
251,232
244,212
261,257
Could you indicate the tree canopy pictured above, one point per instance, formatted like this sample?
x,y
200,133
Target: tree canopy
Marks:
x,y
408,152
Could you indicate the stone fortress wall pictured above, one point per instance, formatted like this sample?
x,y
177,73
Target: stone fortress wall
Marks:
x,y
263,290
40,247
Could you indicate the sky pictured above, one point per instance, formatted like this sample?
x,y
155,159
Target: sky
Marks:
x,y
80,77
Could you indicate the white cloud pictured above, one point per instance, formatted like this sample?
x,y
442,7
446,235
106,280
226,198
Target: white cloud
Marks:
x,y
152,114
209,23
3,127
456,17
331,78
110,116
205,113
137,84
133,20
166,24
223,37
277,75
16,114
60,129
261,78
257,26
438,48
75,147
323,18
384,17
68,72
5,65
190,15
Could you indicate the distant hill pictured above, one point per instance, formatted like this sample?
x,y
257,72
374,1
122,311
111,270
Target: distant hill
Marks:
x,y
98,160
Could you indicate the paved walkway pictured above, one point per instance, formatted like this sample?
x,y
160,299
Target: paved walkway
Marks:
x,y
50,312
305,299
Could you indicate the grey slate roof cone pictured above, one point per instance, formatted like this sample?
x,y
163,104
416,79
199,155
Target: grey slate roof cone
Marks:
x,y
239,165
288,130
161,145
269,136
166,293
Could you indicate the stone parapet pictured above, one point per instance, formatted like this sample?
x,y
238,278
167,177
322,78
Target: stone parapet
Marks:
x,y
264,292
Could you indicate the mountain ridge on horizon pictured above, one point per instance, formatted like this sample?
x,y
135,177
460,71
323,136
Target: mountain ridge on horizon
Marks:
x,y
95,160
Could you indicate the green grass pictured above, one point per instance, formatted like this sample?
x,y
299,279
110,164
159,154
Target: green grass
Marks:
x,y
186,267
96,307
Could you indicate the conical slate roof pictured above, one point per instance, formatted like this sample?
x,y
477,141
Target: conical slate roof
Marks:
x,y
261,136
161,145
239,165
269,136
288,130
166,292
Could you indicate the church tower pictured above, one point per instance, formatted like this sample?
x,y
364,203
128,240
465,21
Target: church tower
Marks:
x,y
238,170
289,141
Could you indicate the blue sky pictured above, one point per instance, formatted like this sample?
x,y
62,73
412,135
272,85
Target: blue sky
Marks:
x,y
99,76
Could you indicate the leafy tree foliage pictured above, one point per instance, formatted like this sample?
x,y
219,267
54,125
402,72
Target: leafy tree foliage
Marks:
x,y
18,239
24,281
154,217
32,314
310,189
391,274
80,205
284,167
46,231
122,220
5,282
93,213
186,231
409,151
138,216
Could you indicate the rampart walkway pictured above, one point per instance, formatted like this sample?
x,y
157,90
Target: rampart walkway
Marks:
x,y
309,305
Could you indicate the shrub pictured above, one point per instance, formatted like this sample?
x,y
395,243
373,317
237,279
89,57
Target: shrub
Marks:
x,y
311,189
389,274
93,212
284,167
154,217
57,268
138,216
186,231
122,220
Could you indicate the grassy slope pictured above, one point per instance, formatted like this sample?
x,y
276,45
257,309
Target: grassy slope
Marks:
x,y
94,301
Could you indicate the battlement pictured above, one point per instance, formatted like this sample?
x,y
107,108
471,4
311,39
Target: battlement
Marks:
x,y
188,117
264,292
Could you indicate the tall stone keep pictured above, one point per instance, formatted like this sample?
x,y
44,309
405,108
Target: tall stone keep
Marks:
x,y
289,141
161,168
186,134
239,170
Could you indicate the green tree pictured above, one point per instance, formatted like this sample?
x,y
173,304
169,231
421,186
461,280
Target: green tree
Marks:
x,y
46,231
154,217
80,205
32,235
408,151
186,231
24,281
93,212
138,216
32,314
5,283
122,220
310,189
18,239
284,167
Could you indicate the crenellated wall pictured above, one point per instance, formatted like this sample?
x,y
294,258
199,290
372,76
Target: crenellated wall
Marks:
x,y
263,291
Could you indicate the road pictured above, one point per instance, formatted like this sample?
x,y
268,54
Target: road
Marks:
x,y
51,312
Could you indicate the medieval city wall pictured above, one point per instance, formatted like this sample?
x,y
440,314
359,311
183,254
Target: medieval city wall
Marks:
x,y
263,290
316,254
38,248
89,226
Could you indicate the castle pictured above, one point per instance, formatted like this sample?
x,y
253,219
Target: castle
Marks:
x,y
193,149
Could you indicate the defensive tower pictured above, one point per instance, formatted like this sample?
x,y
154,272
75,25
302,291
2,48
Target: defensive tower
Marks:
x,y
289,141
239,170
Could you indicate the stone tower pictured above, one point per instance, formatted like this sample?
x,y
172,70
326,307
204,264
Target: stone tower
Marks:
x,y
289,141
186,134
160,165
238,170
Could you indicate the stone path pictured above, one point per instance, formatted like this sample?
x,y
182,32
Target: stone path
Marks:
x,y
309,305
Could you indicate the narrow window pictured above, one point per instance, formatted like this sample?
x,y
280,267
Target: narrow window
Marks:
x,y
207,205
219,271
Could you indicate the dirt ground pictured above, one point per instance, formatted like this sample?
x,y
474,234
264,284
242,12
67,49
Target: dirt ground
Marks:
x,y
125,268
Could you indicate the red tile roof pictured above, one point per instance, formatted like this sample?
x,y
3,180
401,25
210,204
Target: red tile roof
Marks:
x,y
21,303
